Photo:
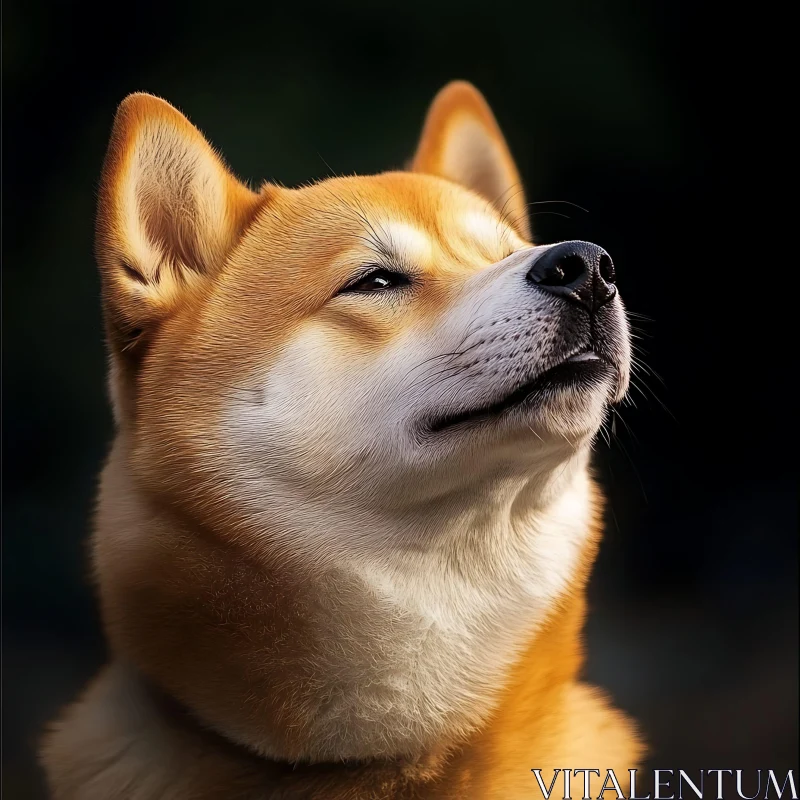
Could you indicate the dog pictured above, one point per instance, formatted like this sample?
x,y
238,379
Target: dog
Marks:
x,y
345,527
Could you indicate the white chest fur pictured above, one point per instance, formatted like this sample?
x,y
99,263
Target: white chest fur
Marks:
x,y
413,646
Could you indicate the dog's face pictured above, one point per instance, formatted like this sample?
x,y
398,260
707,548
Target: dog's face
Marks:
x,y
362,335
311,371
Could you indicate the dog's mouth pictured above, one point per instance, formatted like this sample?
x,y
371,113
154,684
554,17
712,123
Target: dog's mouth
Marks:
x,y
582,370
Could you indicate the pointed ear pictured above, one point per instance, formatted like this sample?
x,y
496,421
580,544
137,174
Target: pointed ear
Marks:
x,y
461,141
169,214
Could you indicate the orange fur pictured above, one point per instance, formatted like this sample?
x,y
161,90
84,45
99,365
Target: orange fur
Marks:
x,y
206,613
460,119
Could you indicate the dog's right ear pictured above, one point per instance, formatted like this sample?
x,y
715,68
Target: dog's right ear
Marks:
x,y
169,214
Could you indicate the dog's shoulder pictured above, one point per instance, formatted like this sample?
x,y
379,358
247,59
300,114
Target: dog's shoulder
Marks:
x,y
116,741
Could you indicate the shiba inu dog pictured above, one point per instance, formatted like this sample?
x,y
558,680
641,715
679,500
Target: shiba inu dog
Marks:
x,y
346,524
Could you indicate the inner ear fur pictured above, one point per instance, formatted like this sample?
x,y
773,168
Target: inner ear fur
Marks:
x,y
462,142
169,213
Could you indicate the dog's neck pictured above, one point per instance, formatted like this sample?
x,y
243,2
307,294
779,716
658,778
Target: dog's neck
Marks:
x,y
413,650
126,733
397,647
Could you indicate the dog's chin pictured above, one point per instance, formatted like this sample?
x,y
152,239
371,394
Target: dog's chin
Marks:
x,y
567,400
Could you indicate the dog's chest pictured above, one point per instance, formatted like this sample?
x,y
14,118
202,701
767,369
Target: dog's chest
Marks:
x,y
417,648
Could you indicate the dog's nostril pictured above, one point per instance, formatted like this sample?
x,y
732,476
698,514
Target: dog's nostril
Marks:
x,y
607,271
564,271
580,272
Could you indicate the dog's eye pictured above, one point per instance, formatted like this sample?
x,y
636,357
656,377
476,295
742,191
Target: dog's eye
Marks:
x,y
379,280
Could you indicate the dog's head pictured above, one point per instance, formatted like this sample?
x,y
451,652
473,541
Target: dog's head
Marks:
x,y
322,374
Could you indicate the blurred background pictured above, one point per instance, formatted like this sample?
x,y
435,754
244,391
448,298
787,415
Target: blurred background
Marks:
x,y
641,113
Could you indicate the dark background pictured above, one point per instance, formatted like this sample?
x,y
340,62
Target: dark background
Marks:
x,y
646,114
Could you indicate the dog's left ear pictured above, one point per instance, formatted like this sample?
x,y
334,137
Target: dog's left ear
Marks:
x,y
461,141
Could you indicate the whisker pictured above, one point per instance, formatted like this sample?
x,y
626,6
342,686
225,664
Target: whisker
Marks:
x,y
565,202
535,434
635,470
554,213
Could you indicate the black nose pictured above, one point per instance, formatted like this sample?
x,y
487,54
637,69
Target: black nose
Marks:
x,y
578,271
